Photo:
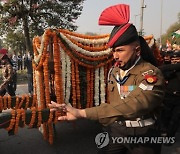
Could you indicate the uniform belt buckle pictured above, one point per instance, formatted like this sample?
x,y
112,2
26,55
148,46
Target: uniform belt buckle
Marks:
x,y
141,122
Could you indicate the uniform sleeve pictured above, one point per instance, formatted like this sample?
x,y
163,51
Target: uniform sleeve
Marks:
x,y
138,102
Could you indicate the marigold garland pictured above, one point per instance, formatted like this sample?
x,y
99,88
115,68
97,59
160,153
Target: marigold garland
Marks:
x,y
73,83
65,31
17,120
91,88
46,80
23,114
42,94
57,69
39,117
88,76
88,48
77,86
22,101
89,58
9,101
33,117
81,63
17,102
13,120
27,102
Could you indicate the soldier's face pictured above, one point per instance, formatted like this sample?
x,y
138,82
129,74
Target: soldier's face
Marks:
x,y
125,54
175,60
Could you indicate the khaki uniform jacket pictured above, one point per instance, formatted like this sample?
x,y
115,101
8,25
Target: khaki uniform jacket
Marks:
x,y
139,102
7,73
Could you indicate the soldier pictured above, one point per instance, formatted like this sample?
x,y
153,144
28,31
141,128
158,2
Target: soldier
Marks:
x,y
132,112
7,73
167,56
175,58
171,109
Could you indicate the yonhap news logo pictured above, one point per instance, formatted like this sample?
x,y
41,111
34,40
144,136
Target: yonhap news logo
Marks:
x,y
102,139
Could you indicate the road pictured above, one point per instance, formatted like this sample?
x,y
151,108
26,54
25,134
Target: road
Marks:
x,y
70,138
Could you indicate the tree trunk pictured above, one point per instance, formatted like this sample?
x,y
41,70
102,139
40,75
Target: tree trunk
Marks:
x,y
26,34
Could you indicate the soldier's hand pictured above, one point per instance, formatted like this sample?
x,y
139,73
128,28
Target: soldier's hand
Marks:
x,y
71,113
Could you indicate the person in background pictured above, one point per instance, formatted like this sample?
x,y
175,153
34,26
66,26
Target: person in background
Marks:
x,y
15,68
19,59
28,62
175,58
167,57
171,109
24,61
7,73
133,113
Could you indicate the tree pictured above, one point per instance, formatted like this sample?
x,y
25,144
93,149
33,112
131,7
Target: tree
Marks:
x,y
15,41
33,16
168,35
0,43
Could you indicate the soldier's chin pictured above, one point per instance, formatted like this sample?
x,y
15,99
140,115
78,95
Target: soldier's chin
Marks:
x,y
122,67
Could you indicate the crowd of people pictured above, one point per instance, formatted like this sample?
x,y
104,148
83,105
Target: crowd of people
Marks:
x,y
171,109
10,64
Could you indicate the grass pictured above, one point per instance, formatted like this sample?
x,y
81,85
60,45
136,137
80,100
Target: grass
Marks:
x,y
21,77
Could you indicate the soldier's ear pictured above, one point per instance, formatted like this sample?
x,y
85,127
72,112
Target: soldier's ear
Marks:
x,y
138,50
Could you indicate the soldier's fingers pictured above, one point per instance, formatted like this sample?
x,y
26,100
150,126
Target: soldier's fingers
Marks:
x,y
62,118
53,109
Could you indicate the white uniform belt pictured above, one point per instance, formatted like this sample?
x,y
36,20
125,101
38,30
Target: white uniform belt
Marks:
x,y
139,122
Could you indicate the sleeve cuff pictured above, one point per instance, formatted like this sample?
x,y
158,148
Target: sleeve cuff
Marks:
x,y
92,113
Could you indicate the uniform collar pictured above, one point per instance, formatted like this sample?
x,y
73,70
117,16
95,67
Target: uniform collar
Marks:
x,y
135,69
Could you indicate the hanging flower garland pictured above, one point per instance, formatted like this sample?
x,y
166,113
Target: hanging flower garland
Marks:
x,y
58,71
9,101
13,120
82,62
96,87
50,127
46,80
73,82
27,102
42,90
89,41
68,79
21,102
65,31
23,115
17,102
87,47
64,70
17,120
78,95
91,88
85,52
33,117
102,85
88,76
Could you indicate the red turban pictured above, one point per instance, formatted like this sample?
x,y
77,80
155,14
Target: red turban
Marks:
x,y
3,52
123,32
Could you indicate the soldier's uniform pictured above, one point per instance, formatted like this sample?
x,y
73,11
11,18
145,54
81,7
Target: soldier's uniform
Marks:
x,y
6,86
7,74
134,102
